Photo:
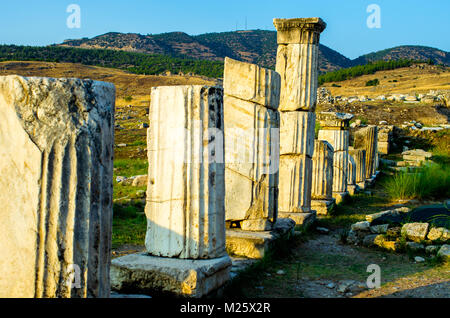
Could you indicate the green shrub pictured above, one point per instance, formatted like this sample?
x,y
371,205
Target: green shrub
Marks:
x,y
432,181
373,82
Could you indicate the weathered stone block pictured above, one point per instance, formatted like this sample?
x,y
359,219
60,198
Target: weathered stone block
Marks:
x,y
252,83
415,231
298,66
295,184
56,149
252,159
142,273
186,188
255,245
366,138
322,171
297,130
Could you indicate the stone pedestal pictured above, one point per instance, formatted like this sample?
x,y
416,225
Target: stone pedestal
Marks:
x,y
252,125
185,196
297,63
351,175
366,138
359,156
322,178
163,276
56,159
255,245
334,129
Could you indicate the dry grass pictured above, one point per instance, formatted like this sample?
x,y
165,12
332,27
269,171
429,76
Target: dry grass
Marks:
x,y
409,80
127,84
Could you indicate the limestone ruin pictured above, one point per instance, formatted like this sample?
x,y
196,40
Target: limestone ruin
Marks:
x,y
366,138
322,199
56,146
252,122
359,156
185,207
297,63
334,129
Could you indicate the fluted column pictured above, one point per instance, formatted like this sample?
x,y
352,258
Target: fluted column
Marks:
x,y
334,129
322,177
351,175
367,139
186,188
359,155
56,156
297,64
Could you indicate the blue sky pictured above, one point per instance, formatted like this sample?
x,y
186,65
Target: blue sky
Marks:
x,y
415,22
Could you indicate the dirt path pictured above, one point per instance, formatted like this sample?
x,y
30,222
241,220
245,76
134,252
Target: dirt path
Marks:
x,y
322,267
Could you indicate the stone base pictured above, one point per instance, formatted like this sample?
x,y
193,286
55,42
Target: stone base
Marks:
x,y
145,274
256,225
361,185
323,207
339,196
302,219
351,189
255,244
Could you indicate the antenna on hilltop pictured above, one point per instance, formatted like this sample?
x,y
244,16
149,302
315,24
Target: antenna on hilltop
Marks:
x,y
246,23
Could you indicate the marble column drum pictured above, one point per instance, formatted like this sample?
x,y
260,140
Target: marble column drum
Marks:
x,y
186,185
56,149
322,199
359,155
367,139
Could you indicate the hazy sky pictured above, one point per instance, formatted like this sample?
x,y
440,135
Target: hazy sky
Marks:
x,y
416,22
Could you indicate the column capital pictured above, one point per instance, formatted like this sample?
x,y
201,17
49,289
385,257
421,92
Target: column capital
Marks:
x,y
334,121
299,30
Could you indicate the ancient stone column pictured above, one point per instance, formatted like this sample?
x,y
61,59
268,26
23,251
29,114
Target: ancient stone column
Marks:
x,y
351,175
322,199
334,129
56,159
359,155
297,63
366,138
385,136
252,125
186,188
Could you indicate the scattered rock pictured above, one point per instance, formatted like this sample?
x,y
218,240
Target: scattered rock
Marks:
x,y
415,231
140,181
369,240
281,272
322,230
379,229
415,247
361,226
419,259
432,249
444,252
439,233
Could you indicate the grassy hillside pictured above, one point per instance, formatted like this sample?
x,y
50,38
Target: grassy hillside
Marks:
x,y
417,78
138,63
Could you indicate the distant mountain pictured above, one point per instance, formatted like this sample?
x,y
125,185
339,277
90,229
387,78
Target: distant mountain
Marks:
x,y
254,46
410,52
